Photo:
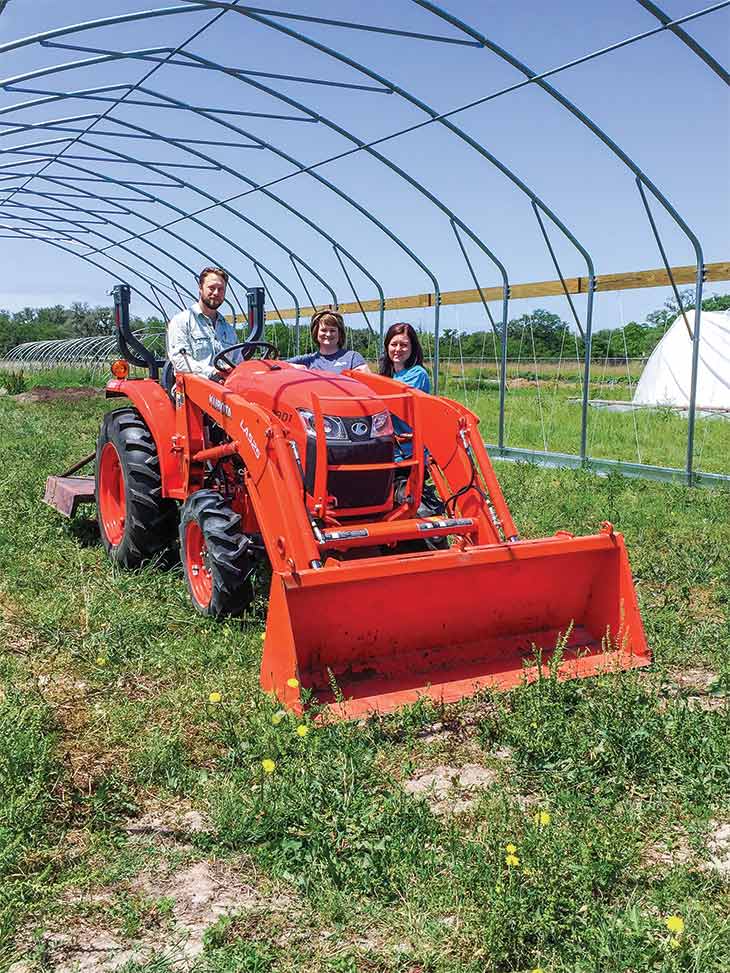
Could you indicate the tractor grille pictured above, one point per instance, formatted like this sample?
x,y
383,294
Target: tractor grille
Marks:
x,y
360,489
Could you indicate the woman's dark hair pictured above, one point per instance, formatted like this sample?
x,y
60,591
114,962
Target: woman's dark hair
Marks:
x,y
334,320
416,355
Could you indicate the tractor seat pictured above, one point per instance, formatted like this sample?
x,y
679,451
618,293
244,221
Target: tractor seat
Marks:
x,y
167,379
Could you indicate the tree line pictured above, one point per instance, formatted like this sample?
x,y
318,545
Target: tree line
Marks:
x,y
540,333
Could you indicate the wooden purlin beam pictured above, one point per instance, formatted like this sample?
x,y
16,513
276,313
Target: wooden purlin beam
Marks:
x,y
543,288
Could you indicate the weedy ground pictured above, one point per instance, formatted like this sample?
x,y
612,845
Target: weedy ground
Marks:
x,y
581,826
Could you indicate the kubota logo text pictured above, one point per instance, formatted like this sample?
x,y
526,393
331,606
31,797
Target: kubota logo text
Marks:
x,y
219,406
251,441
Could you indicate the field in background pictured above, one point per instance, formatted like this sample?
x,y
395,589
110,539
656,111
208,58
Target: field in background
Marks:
x,y
138,826
542,410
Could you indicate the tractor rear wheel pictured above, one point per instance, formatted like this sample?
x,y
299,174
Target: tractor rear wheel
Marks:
x,y
135,521
216,556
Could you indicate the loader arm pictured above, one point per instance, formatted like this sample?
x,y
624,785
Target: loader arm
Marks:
x,y
452,436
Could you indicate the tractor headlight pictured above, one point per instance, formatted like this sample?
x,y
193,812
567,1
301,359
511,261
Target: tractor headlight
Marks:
x,y
334,429
382,425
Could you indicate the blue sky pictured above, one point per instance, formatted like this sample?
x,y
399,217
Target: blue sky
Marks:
x,y
655,98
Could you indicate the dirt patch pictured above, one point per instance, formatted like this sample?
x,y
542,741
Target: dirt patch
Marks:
x,y
457,726
451,790
693,681
175,908
44,394
695,687
675,851
85,758
705,606
177,824
672,852
521,383
718,846
15,639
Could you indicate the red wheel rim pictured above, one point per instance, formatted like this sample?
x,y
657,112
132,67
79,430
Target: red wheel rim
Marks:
x,y
112,499
196,565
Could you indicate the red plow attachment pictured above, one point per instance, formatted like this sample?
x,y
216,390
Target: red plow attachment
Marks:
x,y
376,634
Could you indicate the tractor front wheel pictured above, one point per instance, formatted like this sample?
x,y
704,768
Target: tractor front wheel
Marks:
x,y
136,522
216,556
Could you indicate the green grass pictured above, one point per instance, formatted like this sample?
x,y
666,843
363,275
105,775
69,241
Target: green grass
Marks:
x,y
104,714
549,418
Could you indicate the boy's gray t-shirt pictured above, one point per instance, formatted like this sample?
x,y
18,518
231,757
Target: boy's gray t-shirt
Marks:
x,y
339,362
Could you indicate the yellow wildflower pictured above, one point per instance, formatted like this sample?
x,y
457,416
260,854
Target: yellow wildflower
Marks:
x,y
215,698
101,660
268,765
542,819
293,683
512,860
675,924
302,730
538,969
511,849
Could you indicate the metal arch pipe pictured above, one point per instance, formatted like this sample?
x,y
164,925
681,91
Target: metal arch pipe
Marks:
x,y
152,71
202,192
121,55
156,199
418,103
686,39
164,273
382,227
699,281
152,198
270,195
59,246
297,213
40,223
381,301
434,115
98,233
167,175
285,205
623,156
30,75
331,186
503,335
99,22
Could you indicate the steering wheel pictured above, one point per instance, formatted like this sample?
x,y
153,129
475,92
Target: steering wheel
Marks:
x,y
253,345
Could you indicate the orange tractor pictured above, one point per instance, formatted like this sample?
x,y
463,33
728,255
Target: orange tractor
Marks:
x,y
391,578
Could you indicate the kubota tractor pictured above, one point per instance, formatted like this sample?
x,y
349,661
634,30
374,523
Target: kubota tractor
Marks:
x,y
375,599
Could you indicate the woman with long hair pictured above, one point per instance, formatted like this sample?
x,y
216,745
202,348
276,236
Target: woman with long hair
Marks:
x,y
403,361
403,357
328,335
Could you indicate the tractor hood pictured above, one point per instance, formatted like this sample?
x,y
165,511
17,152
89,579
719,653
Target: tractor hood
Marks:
x,y
284,389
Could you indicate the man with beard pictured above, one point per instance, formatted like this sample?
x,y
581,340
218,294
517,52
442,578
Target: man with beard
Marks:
x,y
196,335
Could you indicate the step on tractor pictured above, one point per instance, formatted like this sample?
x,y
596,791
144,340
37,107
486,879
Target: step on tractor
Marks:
x,y
392,578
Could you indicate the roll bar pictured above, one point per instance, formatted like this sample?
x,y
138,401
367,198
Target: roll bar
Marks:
x,y
136,353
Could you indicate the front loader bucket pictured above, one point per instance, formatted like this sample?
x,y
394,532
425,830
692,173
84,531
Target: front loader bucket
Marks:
x,y
374,634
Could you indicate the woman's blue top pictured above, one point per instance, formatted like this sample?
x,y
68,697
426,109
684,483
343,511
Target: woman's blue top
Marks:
x,y
418,378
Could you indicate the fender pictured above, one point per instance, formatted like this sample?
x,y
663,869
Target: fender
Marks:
x,y
155,407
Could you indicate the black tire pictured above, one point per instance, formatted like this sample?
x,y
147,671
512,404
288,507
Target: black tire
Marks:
x,y
136,522
217,557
